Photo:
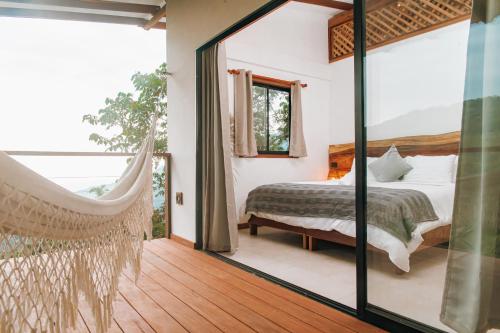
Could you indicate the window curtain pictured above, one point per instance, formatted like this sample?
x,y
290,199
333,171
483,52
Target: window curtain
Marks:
x,y
244,134
472,286
219,209
297,142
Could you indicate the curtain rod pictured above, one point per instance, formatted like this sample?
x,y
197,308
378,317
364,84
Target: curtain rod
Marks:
x,y
268,79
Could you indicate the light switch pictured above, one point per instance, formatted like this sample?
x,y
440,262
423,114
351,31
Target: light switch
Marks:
x,y
179,198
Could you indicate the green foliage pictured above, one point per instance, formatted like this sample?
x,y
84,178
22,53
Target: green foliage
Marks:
x,y
126,120
98,190
277,121
159,184
280,130
260,117
158,225
130,116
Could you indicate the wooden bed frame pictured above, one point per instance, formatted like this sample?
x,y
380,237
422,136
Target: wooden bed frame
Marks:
x,y
432,238
340,161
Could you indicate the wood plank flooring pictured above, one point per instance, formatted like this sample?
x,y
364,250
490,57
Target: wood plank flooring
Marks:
x,y
183,290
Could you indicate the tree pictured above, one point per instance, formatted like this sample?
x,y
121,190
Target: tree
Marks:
x,y
126,120
277,120
131,116
98,190
260,117
279,126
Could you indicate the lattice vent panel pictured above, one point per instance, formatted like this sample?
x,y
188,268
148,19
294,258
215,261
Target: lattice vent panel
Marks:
x,y
395,21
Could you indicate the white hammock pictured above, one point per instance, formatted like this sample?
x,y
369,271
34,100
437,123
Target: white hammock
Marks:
x,y
55,244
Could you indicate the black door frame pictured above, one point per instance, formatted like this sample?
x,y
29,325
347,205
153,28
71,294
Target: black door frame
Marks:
x,y
364,311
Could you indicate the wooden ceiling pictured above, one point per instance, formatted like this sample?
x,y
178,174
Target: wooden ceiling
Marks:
x,y
143,15
389,21
329,3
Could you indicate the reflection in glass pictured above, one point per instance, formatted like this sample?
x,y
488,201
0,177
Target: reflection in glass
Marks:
x,y
449,273
260,116
472,288
271,107
279,128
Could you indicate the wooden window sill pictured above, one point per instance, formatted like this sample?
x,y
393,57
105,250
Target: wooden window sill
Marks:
x,y
272,156
268,156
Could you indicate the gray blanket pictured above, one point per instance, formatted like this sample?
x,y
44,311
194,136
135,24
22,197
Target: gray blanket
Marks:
x,y
396,211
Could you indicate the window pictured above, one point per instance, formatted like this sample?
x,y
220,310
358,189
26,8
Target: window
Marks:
x,y
271,112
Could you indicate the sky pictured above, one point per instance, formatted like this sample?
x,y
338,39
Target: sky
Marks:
x,y
52,73
484,75
421,73
429,71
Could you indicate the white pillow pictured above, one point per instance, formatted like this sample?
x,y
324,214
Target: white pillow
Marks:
x,y
430,169
350,177
390,167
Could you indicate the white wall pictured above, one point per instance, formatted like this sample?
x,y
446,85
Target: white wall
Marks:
x,y
425,72
414,87
191,24
291,44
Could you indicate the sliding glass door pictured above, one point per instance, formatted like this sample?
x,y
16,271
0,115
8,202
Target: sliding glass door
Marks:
x,y
427,166
430,132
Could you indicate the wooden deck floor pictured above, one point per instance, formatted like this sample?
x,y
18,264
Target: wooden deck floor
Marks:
x,y
182,290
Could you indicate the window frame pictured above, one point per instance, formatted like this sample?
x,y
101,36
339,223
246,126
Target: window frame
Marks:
x,y
268,86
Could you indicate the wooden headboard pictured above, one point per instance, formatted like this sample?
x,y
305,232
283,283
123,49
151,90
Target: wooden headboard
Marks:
x,y
341,156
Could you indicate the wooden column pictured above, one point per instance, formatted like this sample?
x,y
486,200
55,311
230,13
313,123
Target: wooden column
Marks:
x,y
167,190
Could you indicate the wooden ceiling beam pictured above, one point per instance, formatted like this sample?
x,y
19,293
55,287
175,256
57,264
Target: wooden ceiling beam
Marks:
x,y
329,3
71,16
155,20
160,25
349,15
94,5
390,21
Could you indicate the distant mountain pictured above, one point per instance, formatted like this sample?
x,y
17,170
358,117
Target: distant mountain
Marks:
x,y
157,199
435,120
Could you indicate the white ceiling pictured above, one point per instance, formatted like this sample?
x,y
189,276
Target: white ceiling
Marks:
x,y
60,7
293,34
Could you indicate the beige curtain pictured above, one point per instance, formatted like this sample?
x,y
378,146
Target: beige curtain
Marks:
x,y
297,141
471,299
220,230
244,134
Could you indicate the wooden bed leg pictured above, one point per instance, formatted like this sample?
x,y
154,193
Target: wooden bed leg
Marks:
x,y
253,229
305,242
313,244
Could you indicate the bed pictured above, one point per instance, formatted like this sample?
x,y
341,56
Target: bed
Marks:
x,y
438,149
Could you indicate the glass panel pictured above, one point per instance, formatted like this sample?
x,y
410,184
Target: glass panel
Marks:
x,y
260,116
329,268
433,210
279,129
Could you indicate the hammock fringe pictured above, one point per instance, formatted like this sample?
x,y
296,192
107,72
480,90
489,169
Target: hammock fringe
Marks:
x,y
51,254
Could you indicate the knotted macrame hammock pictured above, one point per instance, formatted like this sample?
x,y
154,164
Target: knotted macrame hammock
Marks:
x,y
55,244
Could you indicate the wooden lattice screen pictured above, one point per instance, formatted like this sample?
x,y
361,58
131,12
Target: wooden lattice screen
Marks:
x,y
389,21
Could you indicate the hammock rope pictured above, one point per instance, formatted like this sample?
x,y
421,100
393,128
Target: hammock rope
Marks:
x,y
56,245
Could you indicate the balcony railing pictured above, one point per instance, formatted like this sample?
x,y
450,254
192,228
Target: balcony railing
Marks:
x,y
166,157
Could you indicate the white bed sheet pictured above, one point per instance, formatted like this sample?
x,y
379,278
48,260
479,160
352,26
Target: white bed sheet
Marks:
x,y
440,195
